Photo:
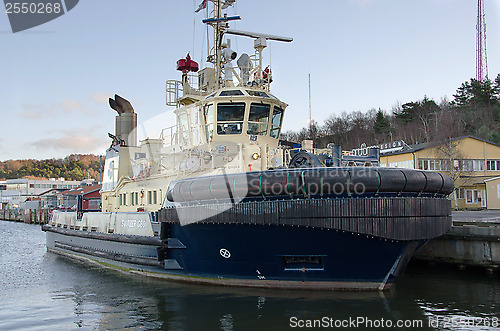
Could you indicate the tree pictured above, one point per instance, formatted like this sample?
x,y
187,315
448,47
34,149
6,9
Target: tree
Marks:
x,y
478,103
475,93
382,124
475,110
449,152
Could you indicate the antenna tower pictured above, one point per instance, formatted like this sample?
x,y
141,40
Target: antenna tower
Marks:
x,y
481,58
310,112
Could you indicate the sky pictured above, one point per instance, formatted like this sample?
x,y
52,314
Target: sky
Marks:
x,y
55,79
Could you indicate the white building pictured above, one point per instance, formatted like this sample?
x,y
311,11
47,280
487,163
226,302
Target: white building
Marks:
x,y
14,192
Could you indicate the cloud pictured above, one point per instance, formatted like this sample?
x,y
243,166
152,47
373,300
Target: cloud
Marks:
x,y
70,105
32,115
37,111
73,141
101,98
31,111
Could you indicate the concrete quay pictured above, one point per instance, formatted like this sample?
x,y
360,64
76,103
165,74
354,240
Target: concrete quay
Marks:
x,y
473,240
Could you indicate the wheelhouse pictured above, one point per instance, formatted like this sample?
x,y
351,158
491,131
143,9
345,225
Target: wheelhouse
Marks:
x,y
242,112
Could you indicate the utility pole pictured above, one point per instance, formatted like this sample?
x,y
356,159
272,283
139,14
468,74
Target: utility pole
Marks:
x,y
481,58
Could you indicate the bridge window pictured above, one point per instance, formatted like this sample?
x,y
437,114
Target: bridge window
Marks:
x,y
230,93
276,122
209,122
184,126
257,93
230,118
258,119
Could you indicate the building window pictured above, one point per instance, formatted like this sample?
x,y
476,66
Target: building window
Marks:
x,y
94,203
460,193
434,164
493,165
471,196
132,200
471,165
478,165
155,198
402,164
149,197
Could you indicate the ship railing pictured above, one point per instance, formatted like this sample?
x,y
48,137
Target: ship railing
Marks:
x,y
253,75
286,154
176,90
192,80
169,136
173,92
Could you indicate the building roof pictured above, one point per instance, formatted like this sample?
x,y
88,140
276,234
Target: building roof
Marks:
x,y
25,180
494,178
82,190
51,191
422,146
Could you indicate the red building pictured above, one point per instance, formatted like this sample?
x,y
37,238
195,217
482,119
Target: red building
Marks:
x,y
91,198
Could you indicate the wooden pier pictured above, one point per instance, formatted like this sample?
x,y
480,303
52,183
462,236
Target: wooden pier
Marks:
x,y
473,240
25,215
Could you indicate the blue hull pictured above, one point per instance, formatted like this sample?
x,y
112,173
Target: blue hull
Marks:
x,y
252,255
285,253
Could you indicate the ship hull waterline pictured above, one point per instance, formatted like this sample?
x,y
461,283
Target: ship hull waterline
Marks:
x,y
263,256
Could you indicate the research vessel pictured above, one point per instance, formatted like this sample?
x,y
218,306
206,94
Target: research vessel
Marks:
x,y
216,199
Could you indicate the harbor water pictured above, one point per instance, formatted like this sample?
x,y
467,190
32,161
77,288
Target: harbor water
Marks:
x,y
43,291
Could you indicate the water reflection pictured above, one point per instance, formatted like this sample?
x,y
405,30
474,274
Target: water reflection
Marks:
x,y
424,293
448,295
124,302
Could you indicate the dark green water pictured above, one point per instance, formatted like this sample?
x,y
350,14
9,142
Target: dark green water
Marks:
x,y
42,291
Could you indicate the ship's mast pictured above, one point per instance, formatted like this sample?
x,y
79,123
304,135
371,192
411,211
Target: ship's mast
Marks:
x,y
218,35
220,24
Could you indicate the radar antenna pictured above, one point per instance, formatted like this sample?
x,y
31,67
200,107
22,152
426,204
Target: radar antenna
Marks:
x,y
220,23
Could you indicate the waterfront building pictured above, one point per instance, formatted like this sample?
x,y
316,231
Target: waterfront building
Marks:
x,y
3,199
91,198
470,161
493,192
15,192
